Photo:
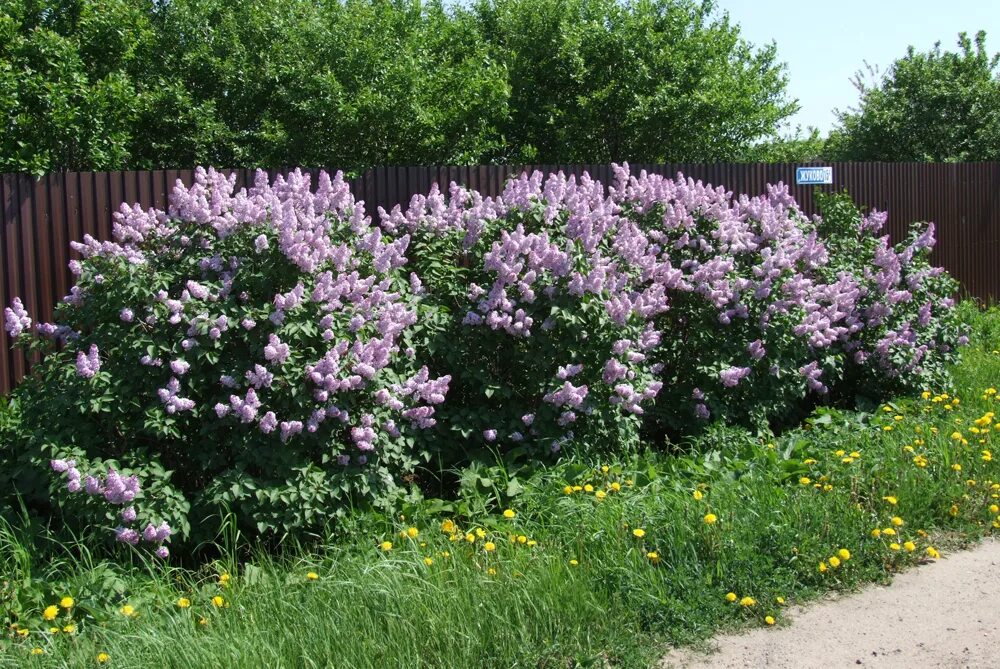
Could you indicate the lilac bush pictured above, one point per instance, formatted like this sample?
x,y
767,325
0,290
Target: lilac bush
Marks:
x,y
277,354
243,351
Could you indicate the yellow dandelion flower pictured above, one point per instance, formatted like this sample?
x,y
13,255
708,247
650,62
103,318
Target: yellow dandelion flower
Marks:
x,y
37,651
780,600
412,532
616,486
577,488
588,488
128,611
698,495
876,533
509,513
568,490
574,562
769,620
481,533
102,658
822,567
428,561
183,603
470,537
805,480
894,546
69,629
23,633
491,571
653,557
748,602
953,510
956,467
897,521
312,576
909,546
385,546
933,552
710,518
224,579
600,495
834,562
844,554
489,546
889,532
218,602
50,612
731,597
67,603
891,500
532,543
638,533
605,469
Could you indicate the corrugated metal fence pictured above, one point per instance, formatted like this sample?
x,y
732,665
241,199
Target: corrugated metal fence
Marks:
x,y
39,217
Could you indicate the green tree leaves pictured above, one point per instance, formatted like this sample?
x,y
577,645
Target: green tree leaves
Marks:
x,y
354,83
929,106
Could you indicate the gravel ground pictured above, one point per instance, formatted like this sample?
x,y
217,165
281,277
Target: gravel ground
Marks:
x,y
942,614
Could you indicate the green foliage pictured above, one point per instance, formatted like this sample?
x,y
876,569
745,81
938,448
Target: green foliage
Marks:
x,y
929,106
793,148
132,84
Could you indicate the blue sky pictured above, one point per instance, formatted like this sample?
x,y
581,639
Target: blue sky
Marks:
x,y
824,42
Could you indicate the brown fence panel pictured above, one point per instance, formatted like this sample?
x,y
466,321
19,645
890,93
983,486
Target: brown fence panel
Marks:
x,y
39,217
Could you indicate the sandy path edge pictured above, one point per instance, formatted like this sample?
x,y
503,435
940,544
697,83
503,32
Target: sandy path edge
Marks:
x,y
943,614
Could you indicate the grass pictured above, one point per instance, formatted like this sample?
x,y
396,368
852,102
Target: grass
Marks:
x,y
580,589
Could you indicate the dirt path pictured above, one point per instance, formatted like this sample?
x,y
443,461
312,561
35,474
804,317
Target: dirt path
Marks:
x,y
944,614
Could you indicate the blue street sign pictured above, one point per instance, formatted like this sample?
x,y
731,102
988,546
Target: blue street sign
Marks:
x,y
813,175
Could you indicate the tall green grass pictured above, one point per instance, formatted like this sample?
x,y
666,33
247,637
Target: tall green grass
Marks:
x,y
589,592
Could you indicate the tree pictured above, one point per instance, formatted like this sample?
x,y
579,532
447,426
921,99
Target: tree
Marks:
x,y
644,80
793,148
933,106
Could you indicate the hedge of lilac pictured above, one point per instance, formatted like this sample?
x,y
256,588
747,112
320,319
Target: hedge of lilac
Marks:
x,y
277,354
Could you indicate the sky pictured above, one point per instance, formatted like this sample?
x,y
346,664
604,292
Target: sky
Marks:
x,y
825,42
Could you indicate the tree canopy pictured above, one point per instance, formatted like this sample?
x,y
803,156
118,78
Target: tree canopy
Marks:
x,y
929,106
135,84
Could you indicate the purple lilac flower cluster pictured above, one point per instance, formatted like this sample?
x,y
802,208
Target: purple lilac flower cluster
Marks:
x,y
116,490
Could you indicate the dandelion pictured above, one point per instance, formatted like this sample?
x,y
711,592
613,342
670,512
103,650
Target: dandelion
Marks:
x,y
102,658
653,557
491,571
956,467
600,495
509,514
747,602
37,651
780,600
568,490
470,537
588,488
605,469
616,486
891,500
428,561
128,611
876,533
698,495
889,532
183,603
953,510
710,518
522,539
805,480
312,576
638,533
481,533
489,546
933,552
224,579
822,567
834,562
897,521
994,508
844,554
50,612
769,620
731,597
574,563
67,603
218,602
385,546
909,546
53,630
69,629
894,546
